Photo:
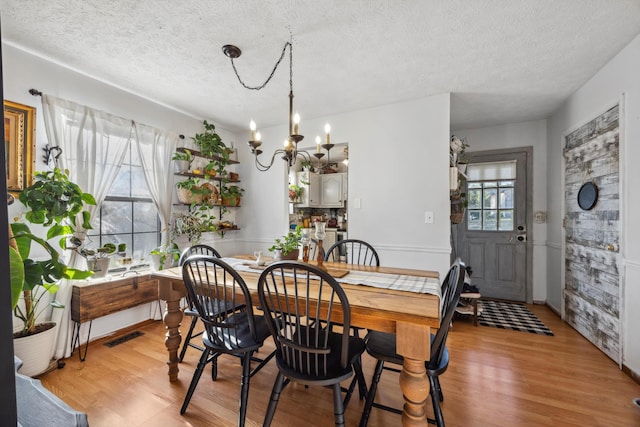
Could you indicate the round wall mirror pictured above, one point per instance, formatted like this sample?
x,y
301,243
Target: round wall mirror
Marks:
x,y
588,196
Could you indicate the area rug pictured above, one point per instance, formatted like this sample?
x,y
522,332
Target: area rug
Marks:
x,y
506,315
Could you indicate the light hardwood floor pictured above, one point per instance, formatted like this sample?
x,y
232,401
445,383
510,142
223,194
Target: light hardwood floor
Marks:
x,y
496,378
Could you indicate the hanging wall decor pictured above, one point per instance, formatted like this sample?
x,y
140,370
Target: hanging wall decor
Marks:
x,y
588,196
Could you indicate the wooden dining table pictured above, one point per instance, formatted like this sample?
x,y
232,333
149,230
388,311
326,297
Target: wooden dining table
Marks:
x,y
409,315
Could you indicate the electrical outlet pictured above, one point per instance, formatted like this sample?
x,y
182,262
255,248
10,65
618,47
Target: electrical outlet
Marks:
x,y
428,217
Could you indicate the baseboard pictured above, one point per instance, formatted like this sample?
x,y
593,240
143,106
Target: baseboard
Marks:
x,y
633,375
556,312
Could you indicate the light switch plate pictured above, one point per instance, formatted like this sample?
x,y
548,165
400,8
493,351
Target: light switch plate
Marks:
x,y
356,203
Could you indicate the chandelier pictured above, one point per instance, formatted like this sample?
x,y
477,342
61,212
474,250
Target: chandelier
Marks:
x,y
289,152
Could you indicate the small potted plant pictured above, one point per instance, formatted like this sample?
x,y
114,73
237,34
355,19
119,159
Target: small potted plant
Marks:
x,y
231,195
287,246
210,169
186,224
295,193
210,143
182,160
192,191
98,260
165,256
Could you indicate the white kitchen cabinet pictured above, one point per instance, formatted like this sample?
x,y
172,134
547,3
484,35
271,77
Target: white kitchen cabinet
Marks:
x,y
311,193
331,195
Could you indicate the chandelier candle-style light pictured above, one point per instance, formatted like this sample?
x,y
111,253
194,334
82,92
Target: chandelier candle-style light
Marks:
x,y
290,151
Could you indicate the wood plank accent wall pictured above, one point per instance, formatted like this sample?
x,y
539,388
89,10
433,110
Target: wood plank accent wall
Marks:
x,y
592,238
92,300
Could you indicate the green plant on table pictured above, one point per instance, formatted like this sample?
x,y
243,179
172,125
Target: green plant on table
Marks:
x,y
170,251
288,243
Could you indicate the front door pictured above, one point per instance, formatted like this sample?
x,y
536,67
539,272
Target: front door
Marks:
x,y
495,237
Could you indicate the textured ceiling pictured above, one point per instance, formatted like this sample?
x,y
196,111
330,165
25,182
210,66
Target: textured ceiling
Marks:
x,y
503,60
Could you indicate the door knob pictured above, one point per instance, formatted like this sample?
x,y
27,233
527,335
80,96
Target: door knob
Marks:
x,y
521,237
610,247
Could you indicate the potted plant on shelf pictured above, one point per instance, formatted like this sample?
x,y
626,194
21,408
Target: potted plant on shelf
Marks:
x,y
210,143
287,246
56,203
188,225
295,193
182,160
192,191
210,169
231,195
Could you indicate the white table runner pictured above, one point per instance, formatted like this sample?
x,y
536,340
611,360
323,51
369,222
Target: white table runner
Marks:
x,y
400,282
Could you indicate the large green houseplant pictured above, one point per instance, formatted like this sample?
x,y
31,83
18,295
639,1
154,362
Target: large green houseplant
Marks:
x,y
55,203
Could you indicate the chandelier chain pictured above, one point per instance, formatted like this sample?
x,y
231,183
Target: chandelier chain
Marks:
x,y
275,67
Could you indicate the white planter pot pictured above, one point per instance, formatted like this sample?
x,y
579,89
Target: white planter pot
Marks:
x,y
155,262
99,266
35,351
182,165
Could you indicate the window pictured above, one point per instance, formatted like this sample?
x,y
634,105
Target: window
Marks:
x,y
128,214
490,194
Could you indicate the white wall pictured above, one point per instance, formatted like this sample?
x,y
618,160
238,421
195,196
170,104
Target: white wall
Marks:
x,y
398,169
533,134
619,76
23,71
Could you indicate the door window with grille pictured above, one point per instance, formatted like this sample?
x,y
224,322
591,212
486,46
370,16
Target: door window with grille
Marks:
x,y
491,195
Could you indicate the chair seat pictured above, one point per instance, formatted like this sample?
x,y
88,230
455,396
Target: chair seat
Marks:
x,y
334,370
241,340
382,346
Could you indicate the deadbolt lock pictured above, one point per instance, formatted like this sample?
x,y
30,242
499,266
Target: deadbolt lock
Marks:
x,y
521,237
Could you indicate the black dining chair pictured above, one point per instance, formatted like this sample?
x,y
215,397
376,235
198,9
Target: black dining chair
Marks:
x,y
306,351
190,309
352,251
382,346
223,302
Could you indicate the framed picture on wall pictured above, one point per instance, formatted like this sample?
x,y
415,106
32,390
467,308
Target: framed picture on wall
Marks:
x,y
19,139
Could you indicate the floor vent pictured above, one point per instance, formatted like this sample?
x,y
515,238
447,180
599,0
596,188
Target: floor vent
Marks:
x,y
124,338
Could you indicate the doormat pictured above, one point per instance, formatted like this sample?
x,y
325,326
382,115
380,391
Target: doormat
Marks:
x,y
124,338
506,315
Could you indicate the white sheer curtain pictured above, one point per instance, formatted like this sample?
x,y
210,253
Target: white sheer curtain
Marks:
x,y
156,148
93,144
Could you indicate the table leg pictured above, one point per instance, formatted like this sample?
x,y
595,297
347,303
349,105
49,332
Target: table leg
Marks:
x,y
413,344
172,293
172,319
415,390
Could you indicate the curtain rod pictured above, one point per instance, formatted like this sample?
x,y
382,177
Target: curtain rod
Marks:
x,y
36,92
